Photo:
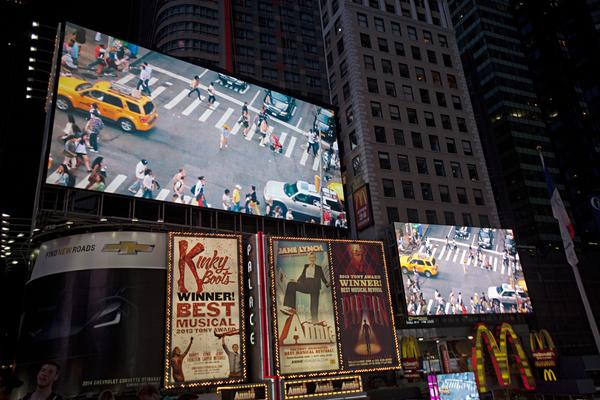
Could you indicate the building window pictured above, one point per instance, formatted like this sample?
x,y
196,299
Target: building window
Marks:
x,y
462,124
376,109
394,112
346,91
450,145
412,215
427,37
444,193
399,137
356,165
396,29
380,134
484,221
388,188
467,220
447,60
431,217
452,81
343,68
392,214
449,218
404,70
456,103
434,143
269,73
349,115
399,49
417,141
412,32
390,89
472,169
441,99
386,66
374,4
407,190
422,166
420,73
425,96
412,116
431,56
438,165
467,150
340,46
329,60
461,193
384,161
416,52
429,120
369,63
365,40
353,140
379,25
362,19
372,85
443,41
446,124
408,92
456,170
383,44
403,163
478,197
426,191
437,78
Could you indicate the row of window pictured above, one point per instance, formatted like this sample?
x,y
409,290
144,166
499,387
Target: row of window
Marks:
x,y
412,215
405,8
407,91
190,44
187,27
423,169
408,192
417,141
187,10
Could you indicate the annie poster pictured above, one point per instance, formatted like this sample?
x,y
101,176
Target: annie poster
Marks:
x,y
304,311
364,309
204,311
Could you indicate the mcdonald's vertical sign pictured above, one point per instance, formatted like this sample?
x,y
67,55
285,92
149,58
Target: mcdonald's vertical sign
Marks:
x,y
410,357
499,356
544,354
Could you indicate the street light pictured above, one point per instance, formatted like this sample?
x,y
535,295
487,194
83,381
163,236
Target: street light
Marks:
x,y
34,36
33,48
35,24
4,215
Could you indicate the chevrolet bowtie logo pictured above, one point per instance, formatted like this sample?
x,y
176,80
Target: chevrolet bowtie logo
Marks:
x,y
128,248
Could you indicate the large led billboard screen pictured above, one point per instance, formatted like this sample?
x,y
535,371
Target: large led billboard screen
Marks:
x,y
135,122
460,270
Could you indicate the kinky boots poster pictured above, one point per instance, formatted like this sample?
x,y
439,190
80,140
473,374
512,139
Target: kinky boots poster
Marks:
x,y
303,308
364,311
205,320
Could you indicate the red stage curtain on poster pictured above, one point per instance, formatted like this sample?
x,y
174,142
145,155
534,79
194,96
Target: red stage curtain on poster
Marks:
x,y
361,201
364,310
204,311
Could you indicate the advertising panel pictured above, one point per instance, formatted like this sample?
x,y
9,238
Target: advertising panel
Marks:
x,y
363,299
361,201
306,336
460,270
460,386
205,317
94,306
135,122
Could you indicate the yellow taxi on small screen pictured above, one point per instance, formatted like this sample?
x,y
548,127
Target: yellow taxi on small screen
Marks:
x,y
116,102
422,264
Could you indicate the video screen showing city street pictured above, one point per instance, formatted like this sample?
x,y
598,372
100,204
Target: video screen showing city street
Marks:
x,y
460,270
135,122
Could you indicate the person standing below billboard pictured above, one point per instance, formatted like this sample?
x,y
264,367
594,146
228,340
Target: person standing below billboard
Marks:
x,y
47,375
140,170
308,282
177,358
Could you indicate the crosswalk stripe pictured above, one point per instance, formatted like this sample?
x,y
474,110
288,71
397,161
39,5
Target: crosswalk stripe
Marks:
x,y
235,129
140,192
304,158
208,112
53,177
282,138
429,305
495,264
290,147
176,99
251,132
503,267
157,92
191,107
187,199
83,183
125,79
455,255
114,185
152,81
447,309
462,258
162,194
433,252
224,118
317,161
448,255
442,252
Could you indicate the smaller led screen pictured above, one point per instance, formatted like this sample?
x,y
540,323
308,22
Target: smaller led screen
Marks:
x,y
461,386
460,270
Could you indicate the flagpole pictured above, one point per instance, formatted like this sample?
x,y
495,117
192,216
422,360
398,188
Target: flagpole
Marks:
x,y
573,261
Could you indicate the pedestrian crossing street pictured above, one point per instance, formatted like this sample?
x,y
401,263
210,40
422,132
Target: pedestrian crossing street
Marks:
x,y
461,256
294,143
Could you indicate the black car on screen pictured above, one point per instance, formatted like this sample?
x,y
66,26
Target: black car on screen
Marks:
x,y
279,105
462,232
232,83
486,238
324,123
